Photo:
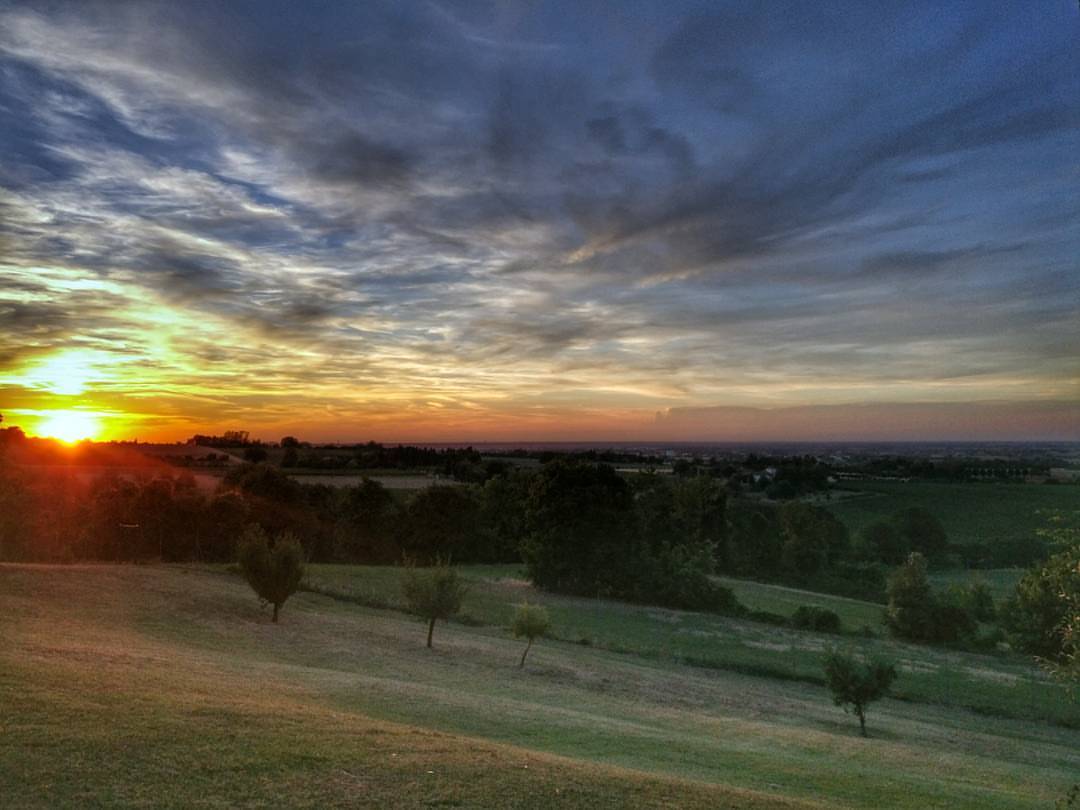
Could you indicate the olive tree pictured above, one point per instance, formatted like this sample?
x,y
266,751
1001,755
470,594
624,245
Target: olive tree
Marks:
x,y
433,593
530,622
856,684
272,569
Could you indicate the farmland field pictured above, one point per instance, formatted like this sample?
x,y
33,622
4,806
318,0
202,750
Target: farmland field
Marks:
x,y
970,512
125,686
400,481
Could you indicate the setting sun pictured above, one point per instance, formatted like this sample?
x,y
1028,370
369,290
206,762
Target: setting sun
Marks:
x,y
70,426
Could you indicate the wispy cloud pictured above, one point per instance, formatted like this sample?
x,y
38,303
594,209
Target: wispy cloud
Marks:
x,y
537,220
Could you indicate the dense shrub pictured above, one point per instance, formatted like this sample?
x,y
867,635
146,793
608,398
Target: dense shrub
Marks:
x,y
910,610
819,619
975,598
916,613
1038,613
767,617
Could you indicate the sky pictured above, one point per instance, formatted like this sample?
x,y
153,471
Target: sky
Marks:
x,y
436,221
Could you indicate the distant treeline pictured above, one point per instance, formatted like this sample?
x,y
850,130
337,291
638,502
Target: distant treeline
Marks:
x,y
578,526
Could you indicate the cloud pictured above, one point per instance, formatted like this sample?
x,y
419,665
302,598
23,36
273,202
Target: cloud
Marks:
x,y
674,206
884,421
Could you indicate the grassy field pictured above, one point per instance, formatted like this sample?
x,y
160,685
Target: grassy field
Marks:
x,y
1000,685
163,686
1000,581
970,513
854,613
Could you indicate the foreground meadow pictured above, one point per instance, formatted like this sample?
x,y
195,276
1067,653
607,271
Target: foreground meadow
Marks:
x,y
164,686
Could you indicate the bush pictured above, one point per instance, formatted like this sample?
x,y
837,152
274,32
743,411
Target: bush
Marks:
x,y
678,577
530,622
975,598
767,617
1037,613
909,613
915,613
273,571
855,684
433,593
819,619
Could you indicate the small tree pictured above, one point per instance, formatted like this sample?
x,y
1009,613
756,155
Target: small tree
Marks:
x,y
910,612
531,622
856,684
433,593
272,570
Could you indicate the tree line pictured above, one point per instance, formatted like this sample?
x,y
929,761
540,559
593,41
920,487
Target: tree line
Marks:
x,y
578,526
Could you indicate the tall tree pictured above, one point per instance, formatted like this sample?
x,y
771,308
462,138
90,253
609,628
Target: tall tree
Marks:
x,y
581,529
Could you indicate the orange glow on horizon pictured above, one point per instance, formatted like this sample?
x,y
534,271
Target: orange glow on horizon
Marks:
x,y
70,426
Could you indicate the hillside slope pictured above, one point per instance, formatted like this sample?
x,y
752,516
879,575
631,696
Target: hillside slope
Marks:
x,y
139,686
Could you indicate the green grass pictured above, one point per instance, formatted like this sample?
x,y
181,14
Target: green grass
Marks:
x,y
970,512
784,601
999,685
125,686
1000,581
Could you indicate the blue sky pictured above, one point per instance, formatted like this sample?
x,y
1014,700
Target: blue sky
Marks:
x,y
543,220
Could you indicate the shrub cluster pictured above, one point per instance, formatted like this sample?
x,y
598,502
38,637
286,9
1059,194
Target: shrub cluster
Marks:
x,y
914,612
819,619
